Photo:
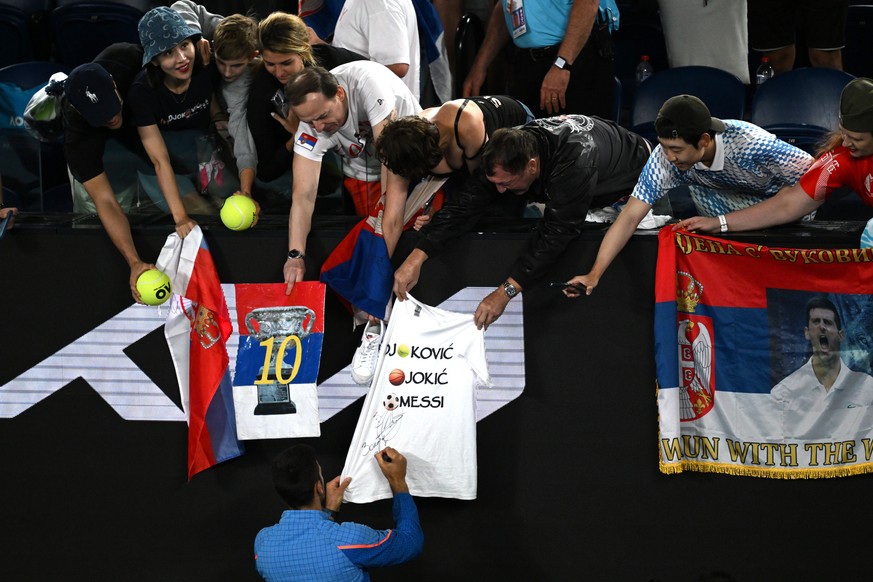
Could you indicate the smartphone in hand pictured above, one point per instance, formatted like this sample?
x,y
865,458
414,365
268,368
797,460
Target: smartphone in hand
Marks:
x,y
564,285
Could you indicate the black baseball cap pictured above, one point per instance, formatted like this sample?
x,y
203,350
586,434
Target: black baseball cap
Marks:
x,y
685,115
91,90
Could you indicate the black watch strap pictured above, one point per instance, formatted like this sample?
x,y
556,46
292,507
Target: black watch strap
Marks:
x,y
562,64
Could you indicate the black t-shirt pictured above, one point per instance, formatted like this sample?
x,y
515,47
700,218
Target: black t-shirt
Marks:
x,y
268,134
83,144
157,105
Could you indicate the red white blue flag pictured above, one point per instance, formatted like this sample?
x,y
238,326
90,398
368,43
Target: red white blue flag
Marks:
x,y
360,271
197,329
763,358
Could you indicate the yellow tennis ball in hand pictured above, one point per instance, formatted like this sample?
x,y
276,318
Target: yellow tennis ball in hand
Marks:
x,y
238,212
154,287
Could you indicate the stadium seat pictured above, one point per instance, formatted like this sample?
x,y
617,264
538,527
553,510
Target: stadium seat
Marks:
x,y
859,41
723,93
634,38
27,165
141,5
16,42
83,29
468,39
800,106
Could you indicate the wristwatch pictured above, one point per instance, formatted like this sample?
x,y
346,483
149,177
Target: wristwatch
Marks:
x,y
295,254
510,290
562,64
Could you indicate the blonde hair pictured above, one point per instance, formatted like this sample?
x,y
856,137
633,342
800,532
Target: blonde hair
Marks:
x,y
285,33
236,37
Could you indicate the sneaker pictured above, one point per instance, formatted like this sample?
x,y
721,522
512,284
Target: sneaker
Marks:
x,y
367,354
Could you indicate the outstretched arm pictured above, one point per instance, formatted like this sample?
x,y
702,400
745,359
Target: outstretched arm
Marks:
x,y
306,173
117,227
395,188
616,238
156,149
406,276
789,204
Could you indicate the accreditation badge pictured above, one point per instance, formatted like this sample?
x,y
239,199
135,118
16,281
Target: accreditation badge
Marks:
x,y
519,23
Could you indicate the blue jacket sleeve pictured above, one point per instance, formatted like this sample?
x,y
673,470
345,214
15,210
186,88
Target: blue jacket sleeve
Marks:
x,y
394,546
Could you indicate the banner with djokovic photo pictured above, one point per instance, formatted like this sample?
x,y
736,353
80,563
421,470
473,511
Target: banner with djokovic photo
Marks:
x,y
281,336
763,358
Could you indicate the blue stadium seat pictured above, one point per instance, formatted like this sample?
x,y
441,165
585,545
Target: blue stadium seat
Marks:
x,y
27,165
83,29
468,39
30,74
141,5
800,106
859,41
634,38
16,43
723,93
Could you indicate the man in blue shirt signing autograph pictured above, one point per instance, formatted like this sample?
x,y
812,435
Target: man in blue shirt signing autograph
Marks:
x,y
308,544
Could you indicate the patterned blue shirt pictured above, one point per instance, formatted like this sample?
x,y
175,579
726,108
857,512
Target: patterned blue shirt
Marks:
x,y
750,165
307,546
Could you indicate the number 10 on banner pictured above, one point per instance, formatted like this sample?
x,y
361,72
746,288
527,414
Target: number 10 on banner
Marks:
x,y
277,359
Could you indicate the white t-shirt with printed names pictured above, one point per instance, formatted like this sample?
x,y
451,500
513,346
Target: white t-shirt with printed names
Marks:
x,y
423,404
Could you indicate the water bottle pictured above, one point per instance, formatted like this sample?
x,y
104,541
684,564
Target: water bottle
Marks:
x,y
765,72
644,69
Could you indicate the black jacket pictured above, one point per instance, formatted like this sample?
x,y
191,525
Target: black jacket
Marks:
x,y
585,162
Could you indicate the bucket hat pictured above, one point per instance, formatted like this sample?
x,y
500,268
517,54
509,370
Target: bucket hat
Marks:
x,y
160,29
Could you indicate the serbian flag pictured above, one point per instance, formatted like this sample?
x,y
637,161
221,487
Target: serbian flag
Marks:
x,y
432,38
197,329
359,270
763,358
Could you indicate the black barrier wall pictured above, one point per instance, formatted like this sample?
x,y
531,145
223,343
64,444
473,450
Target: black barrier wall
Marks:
x,y
569,487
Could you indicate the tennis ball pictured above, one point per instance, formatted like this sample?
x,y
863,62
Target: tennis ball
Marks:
x,y
238,212
403,350
154,287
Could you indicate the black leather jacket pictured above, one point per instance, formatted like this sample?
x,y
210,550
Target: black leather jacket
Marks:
x,y
585,162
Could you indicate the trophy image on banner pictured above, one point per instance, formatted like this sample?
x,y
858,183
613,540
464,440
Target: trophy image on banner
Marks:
x,y
277,359
280,330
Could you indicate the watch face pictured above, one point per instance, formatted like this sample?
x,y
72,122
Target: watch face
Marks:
x,y
560,62
294,254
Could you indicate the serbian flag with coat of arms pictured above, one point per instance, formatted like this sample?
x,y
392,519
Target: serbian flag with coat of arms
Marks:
x,y
763,358
197,327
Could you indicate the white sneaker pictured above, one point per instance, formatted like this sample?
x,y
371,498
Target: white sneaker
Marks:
x,y
367,354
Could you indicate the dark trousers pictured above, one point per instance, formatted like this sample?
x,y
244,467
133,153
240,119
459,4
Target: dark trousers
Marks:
x,y
592,81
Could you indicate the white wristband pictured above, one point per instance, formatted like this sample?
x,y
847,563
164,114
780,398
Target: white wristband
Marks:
x,y
723,222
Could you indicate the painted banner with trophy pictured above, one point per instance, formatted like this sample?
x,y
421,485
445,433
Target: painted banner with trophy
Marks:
x,y
763,358
281,336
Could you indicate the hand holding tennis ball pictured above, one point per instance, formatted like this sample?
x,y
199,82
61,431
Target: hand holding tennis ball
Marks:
x,y
239,212
154,287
